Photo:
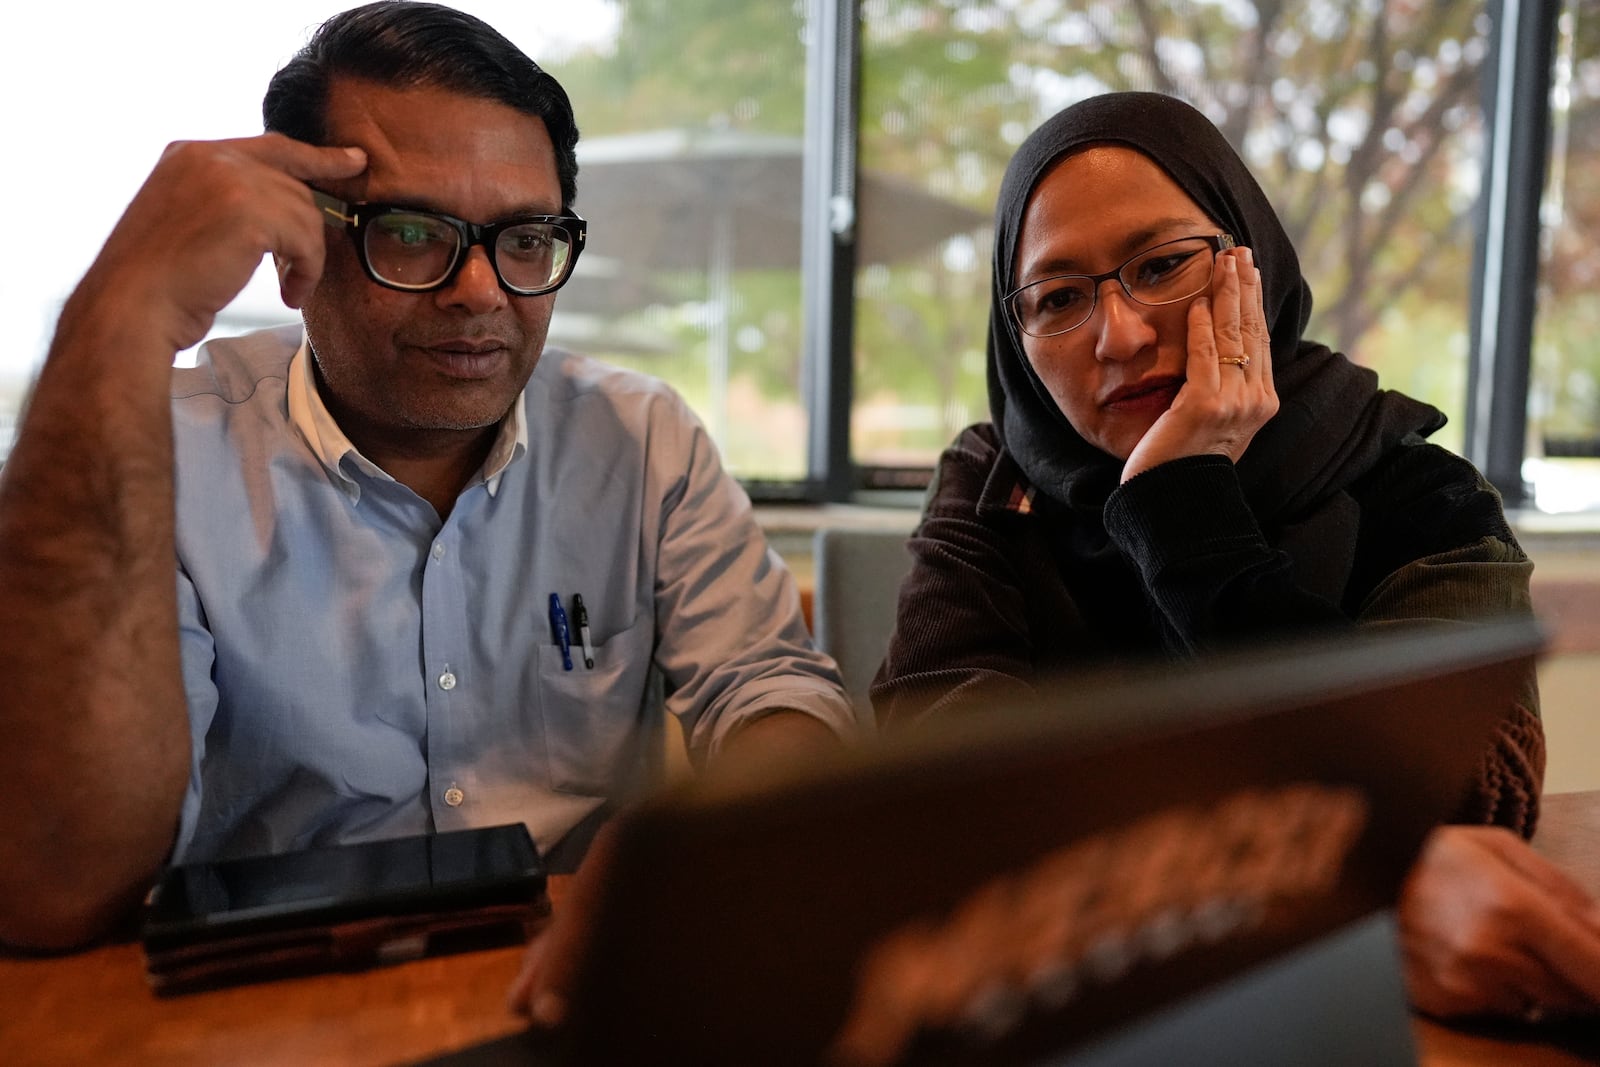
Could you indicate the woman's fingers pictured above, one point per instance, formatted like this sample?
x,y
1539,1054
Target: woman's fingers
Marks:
x,y
1228,394
1487,928
1255,340
1227,330
1225,313
1204,366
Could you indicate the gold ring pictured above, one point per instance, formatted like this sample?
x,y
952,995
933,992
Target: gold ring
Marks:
x,y
1238,361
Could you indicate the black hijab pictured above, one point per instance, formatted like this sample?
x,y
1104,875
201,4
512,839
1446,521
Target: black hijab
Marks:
x,y
1333,421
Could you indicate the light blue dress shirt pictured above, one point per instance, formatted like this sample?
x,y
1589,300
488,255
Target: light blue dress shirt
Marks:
x,y
358,669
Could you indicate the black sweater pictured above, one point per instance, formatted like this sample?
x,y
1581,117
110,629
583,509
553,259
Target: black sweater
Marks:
x,y
1008,586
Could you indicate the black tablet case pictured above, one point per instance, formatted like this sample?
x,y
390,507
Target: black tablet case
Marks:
x,y
341,908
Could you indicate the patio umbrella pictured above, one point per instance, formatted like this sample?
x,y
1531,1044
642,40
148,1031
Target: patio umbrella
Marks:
x,y
600,335
684,199
723,201
601,284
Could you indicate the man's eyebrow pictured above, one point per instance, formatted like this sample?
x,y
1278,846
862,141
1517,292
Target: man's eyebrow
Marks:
x,y
429,204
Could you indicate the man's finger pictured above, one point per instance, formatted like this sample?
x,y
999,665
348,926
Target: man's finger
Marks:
x,y
307,162
517,997
542,989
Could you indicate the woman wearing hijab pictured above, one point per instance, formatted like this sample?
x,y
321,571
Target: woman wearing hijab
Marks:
x,y
1173,467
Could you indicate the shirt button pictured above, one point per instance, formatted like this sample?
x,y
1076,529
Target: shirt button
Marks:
x,y
438,550
447,681
454,797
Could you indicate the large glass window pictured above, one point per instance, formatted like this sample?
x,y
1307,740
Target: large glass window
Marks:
x,y
690,168
1362,121
691,113
1563,462
1362,118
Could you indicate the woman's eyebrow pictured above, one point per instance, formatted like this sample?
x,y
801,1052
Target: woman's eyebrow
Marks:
x,y
1166,229
1135,241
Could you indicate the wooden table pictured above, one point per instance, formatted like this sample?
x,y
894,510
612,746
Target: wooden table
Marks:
x,y
94,1007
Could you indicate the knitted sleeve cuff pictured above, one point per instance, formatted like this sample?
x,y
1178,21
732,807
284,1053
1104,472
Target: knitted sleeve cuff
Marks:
x,y
1185,509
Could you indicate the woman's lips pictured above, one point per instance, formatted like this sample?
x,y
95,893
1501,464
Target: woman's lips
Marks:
x,y
1153,393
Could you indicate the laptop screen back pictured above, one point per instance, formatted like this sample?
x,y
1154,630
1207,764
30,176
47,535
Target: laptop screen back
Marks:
x,y
1027,883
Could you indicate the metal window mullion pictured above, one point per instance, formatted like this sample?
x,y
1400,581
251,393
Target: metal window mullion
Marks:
x,y
828,253
1505,274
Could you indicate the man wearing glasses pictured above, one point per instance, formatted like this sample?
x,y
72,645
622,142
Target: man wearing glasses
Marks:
x,y
427,570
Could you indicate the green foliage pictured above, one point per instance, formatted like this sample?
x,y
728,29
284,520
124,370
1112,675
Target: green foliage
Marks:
x,y
723,64
1565,401
1361,118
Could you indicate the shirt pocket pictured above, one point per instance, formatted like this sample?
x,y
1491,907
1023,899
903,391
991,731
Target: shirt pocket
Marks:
x,y
600,727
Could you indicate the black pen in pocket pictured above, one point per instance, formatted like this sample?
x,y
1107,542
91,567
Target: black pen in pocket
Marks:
x,y
581,617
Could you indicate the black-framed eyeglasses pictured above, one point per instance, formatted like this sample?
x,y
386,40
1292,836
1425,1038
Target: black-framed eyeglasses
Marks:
x,y
419,251
1169,272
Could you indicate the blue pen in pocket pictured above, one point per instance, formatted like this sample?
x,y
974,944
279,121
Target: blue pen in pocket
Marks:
x,y
558,623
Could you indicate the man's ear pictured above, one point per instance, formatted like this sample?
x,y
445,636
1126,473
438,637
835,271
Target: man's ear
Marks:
x,y
283,267
280,266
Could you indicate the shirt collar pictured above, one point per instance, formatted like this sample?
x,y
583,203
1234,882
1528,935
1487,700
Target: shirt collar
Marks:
x,y
311,417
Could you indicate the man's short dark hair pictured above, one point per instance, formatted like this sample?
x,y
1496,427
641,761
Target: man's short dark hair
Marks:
x,y
404,44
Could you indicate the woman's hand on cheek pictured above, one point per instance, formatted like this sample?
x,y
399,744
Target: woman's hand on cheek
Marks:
x,y
1223,401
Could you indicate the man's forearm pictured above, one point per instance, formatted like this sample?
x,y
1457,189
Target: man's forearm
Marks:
x,y
775,740
97,752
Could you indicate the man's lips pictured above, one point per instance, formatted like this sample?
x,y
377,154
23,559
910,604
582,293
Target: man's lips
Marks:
x,y
466,346
467,358
1159,389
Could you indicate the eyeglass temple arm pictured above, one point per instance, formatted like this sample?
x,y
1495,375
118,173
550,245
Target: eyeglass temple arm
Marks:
x,y
335,211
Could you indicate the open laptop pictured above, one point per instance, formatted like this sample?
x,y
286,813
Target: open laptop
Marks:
x,y
1190,864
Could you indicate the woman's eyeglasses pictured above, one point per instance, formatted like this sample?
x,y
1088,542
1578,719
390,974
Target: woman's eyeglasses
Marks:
x,y
1169,272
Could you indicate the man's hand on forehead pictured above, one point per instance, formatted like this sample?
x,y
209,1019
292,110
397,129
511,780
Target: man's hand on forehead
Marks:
x,y
197,230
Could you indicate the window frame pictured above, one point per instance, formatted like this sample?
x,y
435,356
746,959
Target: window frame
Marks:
x,y
1504,273
1505,269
